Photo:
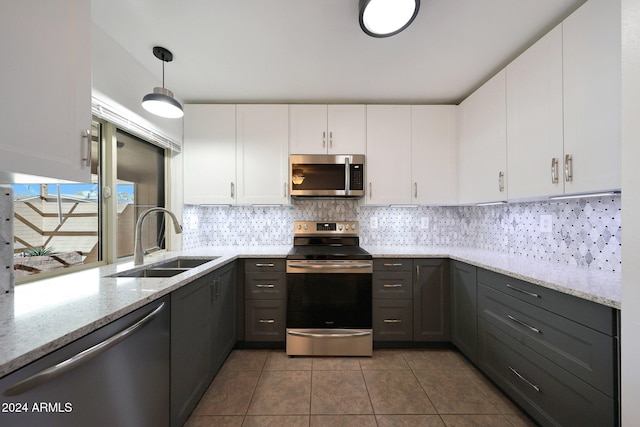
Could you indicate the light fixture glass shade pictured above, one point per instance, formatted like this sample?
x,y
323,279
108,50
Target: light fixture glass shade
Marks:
x,y
384,18
162,103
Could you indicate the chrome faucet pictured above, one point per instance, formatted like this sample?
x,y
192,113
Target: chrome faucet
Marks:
x,y
138,251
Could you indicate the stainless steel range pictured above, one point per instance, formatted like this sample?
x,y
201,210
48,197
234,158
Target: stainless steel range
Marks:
x,y
329,290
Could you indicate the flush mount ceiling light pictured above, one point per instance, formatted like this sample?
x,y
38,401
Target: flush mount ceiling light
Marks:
x,y
384,18
161,102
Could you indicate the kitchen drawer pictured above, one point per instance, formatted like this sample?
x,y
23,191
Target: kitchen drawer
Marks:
x,y
591,314
265,320
268,285
392,264
392,284
264,264
586,353
547,392
392,320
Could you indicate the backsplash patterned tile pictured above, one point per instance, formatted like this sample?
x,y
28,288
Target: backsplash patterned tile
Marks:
x,y
585,232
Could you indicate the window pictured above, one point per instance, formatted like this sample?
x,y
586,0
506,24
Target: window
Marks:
x,y
59,226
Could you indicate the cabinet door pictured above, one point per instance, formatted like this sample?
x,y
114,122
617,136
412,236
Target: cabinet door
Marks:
x,y
190,346
262,133
308,129
392,320
388,154
592,112
223,317
265,320
46,89
434,135
534,118
347,129
464,309
209,154
482,160
431,300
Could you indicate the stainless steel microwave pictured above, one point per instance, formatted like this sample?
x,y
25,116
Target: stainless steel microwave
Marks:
x,y
326,175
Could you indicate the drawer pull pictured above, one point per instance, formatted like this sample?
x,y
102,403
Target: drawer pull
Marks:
x,y
392,264
266,321
392,320
520,322
266,265
392,285
269,286
529,383
531,294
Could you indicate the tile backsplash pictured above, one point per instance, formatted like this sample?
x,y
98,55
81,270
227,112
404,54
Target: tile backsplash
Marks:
x,y
584,232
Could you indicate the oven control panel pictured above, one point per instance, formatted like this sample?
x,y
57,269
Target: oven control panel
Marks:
x,y
342,228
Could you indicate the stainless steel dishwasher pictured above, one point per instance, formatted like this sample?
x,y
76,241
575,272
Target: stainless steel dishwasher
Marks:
x,y
115,376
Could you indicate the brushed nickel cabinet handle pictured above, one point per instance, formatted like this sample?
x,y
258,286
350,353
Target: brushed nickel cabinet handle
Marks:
x,y
233,190
531,294
392,321
265,265
86,136
568,167
501,181
392,264
415,190
392,285
330,139
324,139
521,323
269,286
529,383
269,321
554,170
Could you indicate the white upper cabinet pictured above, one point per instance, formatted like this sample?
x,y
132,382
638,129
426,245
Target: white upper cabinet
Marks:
x,y
327,129
434,130
45,112
534,119
388,156
592,96
209,154
482,156
262,137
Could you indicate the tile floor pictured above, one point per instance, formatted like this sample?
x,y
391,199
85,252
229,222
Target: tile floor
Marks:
x,y
391,388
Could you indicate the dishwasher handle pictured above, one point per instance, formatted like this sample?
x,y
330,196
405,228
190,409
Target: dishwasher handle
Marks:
x,y
80,358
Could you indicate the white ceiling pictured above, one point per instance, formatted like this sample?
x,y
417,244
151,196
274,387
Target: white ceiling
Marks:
x,y
314,50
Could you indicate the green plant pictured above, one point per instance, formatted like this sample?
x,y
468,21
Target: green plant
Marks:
x,y
41,251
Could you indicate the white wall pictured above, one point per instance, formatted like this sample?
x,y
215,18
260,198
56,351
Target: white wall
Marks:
x,y
119,77
630,334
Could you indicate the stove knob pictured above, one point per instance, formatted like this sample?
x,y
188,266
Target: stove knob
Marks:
x,y
306,226
299,227
353,227
339,227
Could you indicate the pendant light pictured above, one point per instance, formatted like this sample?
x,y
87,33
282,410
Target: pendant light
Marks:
x,y
161,102
385,18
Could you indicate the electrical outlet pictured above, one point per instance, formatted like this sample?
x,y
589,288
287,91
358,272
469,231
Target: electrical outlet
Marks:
x,y
546,223
424,223
373,223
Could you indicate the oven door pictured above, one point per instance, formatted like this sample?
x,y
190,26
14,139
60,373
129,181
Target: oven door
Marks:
x,y
329,308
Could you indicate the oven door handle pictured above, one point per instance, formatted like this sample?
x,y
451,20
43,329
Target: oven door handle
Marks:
x,y
312,335
321,266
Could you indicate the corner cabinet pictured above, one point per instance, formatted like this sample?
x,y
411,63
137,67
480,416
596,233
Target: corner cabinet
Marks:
x,y
45,115
464,309
328,129
209,154
262,138
482,159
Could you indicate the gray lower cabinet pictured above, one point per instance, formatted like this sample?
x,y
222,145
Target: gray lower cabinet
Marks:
x,y
464,318
554,354
117,375
431,300
392,293
265,303
202,335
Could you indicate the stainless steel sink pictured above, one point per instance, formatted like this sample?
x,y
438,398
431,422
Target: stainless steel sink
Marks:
x,y
184,262
166,269
152,272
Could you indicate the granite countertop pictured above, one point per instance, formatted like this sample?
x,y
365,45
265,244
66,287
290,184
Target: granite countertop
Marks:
x,y
42,316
